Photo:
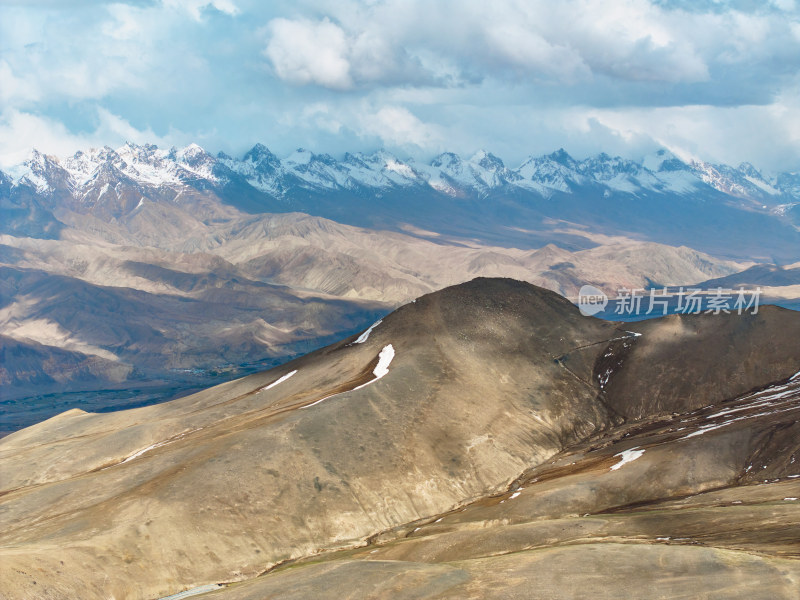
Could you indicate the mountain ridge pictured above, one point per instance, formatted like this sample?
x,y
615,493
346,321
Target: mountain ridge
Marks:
x,y
727,212
489,412
447,172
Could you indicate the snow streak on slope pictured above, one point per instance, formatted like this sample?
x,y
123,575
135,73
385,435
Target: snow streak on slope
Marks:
x,y
365,336
385,358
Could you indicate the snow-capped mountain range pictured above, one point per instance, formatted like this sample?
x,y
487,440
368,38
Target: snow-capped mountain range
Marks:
x,y
732,212
448,174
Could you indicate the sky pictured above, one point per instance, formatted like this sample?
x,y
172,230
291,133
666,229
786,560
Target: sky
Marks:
x,y
711,80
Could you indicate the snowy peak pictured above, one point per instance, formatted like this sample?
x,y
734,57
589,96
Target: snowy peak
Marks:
x,y
39,173
549,174
561,157
262,159
301,156
604,167
447,161
146,167
487,161
744,182
663,161
450,174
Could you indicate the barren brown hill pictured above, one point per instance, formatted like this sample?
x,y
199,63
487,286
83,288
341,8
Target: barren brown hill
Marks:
x,y
176,293
407,449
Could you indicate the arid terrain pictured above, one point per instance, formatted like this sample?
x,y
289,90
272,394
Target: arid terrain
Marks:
x,y
399,300
99,313
141,274
482,441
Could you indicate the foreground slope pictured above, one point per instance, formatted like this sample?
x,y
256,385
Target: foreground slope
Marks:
x,y
448,402
703,504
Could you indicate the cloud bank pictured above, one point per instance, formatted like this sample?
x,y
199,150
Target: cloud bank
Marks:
x,y
714,80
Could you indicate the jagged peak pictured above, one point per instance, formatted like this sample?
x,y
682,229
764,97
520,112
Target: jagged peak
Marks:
x,y
192,151
663,160
384,155
750,171
301,156
38,158
487,160
608,165
446,159
562,157
260,154
356,159
661,171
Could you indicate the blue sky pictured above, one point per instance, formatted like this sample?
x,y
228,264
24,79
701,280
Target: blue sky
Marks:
x,y
718,81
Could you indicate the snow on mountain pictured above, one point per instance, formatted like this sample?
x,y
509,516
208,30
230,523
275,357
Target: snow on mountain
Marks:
x,y
380,169
744,182
556,172
91,175
316,170
35,172
450,174
490,170
663,161
195,160
671,173
259,167
445,174
618,173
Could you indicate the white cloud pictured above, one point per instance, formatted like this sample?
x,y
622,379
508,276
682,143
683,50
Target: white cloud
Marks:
x,y
627,39
304,52
785,5
125,23
518,46
397,126
20,132
729,135
516,76
15,89
322,117
195,8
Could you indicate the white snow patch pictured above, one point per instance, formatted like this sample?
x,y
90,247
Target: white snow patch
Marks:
x,y
627,456
763,186
702,430
143,450
365,336
791,499
604,378
398,167
515,494
174,438
320,400
276,382
193,592
385,358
